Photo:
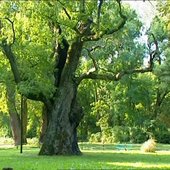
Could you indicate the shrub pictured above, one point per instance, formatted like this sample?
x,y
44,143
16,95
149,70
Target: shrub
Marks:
x,y
6,141
94,138
158,130
111,135
33,142
137,135
108,135
163,137
120,134
149,146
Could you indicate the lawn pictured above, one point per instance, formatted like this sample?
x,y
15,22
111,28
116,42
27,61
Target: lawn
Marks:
x,y
94,156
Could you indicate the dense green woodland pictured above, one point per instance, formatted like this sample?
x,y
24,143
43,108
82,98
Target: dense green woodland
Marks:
x,y
75,71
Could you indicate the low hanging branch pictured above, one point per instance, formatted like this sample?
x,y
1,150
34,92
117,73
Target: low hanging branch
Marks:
x,y
111,76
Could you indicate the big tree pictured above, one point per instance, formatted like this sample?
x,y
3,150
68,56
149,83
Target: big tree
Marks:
x,y
44,42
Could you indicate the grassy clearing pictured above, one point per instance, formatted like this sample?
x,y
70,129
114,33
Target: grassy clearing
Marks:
x,y
94,157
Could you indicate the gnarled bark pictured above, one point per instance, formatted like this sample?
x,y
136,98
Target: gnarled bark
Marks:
x,y
61,134
44,124
65,115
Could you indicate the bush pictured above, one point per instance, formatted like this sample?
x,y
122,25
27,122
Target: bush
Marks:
x,y
33,142
149,146
107,135
158,130
6,141
137,135
94,138
5,129
111,135
163,137
120,134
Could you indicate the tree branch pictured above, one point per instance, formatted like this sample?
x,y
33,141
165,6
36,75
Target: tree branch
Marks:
x,y
159,100
108,32
94,37
12,60
54,29
154,54
98,12
111,76
13,30
90,55
7,50
65,10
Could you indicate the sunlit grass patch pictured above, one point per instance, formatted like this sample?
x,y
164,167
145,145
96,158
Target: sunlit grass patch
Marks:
x,y
139,165
91,159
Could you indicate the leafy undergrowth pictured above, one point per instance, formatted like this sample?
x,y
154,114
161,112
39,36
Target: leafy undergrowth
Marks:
x,y
91,159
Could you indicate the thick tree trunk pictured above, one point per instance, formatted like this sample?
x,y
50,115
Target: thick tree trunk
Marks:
x,y
14,117
15,126
44,123
61,134
65,114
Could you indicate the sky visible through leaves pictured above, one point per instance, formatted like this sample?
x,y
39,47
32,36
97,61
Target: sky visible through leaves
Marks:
x,y
146,11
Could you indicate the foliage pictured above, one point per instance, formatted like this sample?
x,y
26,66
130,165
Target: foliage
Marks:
x,y
6,141
34,119
5,129
119,134
33,142
4,119
95,138
3,105
137,135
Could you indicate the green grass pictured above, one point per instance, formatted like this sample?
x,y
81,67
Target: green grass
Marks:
x,y
94,157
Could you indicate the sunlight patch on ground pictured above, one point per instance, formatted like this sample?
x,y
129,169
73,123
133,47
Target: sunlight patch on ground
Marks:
x,y
6,146
139,164
163,152
127,152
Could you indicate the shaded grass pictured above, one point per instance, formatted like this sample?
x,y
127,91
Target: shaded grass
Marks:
x,y
91,159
